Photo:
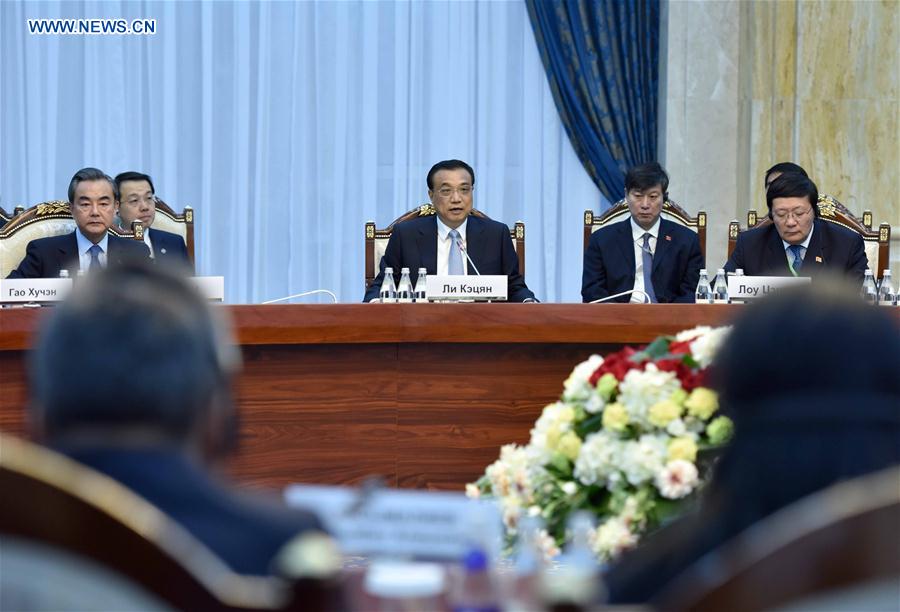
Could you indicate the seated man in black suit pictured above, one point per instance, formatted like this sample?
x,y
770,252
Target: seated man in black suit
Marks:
x,y
797,243
131,376
93,198
137,200
645,253
433,242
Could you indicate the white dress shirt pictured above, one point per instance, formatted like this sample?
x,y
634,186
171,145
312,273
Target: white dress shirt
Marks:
x,y
637,233
443,246
84,245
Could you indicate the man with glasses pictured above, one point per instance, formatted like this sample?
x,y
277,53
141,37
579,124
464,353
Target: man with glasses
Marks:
x,y
797,242
93,198
137,201
439,243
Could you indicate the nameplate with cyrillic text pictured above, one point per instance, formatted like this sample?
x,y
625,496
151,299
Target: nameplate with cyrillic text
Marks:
x,y
487,287
34,290
755,287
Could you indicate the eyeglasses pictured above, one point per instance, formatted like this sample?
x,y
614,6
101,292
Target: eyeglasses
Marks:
x,y
446,192
797,215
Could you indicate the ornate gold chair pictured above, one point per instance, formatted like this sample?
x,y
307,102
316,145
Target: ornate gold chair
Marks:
x,y
5,217
377,239
877,243
671,211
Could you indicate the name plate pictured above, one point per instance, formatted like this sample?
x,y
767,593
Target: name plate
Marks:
x,y
434,525
34,290
487,287
210,287
755,287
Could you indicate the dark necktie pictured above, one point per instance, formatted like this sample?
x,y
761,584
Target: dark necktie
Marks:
x,y
647,259
796,251
95,251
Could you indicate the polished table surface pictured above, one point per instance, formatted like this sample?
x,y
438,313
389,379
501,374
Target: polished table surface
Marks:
x,y
421,394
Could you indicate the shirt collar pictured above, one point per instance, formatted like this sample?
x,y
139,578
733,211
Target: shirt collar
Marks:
x,y
443,230
805,243
84,243
637,232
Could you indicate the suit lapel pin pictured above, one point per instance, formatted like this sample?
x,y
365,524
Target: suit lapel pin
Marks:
x,y
162,251
669,238
818,259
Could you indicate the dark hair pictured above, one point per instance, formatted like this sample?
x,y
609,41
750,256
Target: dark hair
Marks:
x,y
646,176
784,168
448,164
91,174
133,176
793,186
132,346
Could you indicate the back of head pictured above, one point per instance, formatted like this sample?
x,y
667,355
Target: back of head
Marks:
x,y
133,349
784,168
793,186
645,176
448,164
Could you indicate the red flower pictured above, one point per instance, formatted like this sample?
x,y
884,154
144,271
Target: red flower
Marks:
x,y
680,348
618,364
690,378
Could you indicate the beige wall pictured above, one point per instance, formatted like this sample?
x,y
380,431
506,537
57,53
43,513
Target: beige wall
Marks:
x,y
752,83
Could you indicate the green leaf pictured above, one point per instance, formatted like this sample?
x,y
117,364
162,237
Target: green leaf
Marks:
x,y
589,425
658,348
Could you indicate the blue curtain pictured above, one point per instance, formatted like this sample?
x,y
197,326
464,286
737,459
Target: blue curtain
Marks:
x,y
602,62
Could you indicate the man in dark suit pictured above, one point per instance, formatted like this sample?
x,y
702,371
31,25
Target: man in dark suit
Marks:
x,y
797,242
644,253
92,199
434,242
137,201
131,376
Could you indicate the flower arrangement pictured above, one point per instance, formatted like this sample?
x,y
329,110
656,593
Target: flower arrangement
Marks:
x,y
623,442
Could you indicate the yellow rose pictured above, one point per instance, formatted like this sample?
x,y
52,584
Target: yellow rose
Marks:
x,y
682,448
664,412
702,403
615,417
569,445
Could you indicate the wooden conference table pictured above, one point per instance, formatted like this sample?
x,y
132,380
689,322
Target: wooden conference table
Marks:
x,y
422,394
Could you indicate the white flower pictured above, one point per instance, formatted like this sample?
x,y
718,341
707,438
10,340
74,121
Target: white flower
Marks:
x,y
642,459
576,387
705,347
569,488
556,420
677,479
676,428
598,458
594,403
472,491
692,334
546,544
613,537
642,389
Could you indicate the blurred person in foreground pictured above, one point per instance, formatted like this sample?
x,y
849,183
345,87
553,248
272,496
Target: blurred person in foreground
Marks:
x,y
137,202
811,379
132,377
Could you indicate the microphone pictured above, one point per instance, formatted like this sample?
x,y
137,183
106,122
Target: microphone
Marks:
x,y
305,293
629,292
462,247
